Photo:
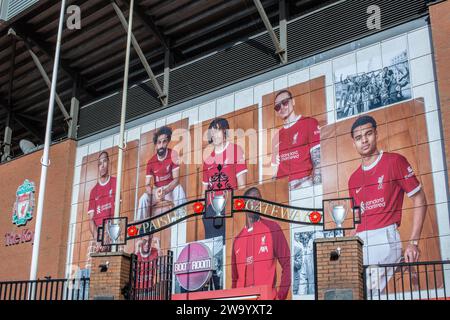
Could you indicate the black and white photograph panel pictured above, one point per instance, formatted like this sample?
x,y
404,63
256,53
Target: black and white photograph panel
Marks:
x,y
373,78
303,260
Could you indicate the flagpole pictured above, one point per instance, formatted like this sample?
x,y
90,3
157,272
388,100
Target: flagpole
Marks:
x,y
45,162
122,144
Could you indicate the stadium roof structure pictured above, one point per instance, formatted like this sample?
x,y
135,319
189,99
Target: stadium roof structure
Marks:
x,y
197,46
92,58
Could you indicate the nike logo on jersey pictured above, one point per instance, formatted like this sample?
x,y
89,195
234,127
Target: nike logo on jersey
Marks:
x,y
358,190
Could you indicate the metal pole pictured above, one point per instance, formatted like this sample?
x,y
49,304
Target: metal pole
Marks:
x,y
8,130
45,158
122,116
283,29
74,111
279,49
42,71
47,81
7,139
161,94
167,65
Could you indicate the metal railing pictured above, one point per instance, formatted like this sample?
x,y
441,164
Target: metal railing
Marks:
x,y
48,289
407,281
151,280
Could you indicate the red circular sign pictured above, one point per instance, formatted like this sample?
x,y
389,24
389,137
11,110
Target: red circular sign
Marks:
x,y
198,207
315,217
132,231
239,204
194,266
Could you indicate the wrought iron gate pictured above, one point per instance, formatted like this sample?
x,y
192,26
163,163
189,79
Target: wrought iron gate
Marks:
x,y
151,280
48,289
407,281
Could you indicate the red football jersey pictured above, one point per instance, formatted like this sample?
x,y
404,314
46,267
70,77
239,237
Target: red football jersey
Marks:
x,y
379,190
101,200
162,170
254,258
293,145
233,164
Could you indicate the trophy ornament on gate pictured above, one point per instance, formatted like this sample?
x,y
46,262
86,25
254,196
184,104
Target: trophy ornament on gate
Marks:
x,y
342,214
113,231
218,192
338,213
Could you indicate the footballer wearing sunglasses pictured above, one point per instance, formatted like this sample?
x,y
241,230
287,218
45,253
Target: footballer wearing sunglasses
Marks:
x,y
296,146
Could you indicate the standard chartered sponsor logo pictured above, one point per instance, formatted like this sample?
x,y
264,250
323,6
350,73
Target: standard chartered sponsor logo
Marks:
x,y
166,177
372,204
106,206
290,156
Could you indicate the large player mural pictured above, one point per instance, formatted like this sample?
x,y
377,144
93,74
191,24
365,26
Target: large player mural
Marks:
x,y
362,125
95,200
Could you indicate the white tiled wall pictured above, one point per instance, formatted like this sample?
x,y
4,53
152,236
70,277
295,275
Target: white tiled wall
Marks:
x,y
192,115
322,69
390,48
298,77
225,105
207,111
262,89
419,43
344,66
243,99
174,118
160,123
428,92
280,83
422,70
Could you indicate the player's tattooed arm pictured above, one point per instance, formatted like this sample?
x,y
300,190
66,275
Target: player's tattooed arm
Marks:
x,y
315,158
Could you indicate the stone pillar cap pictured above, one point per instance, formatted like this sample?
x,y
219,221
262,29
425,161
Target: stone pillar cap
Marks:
x,y
340,239
111,254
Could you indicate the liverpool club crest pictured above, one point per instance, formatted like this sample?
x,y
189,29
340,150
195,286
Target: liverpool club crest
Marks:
x,y
24,205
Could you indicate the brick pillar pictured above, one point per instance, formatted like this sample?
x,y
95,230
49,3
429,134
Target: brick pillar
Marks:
x,y
109,284
340,279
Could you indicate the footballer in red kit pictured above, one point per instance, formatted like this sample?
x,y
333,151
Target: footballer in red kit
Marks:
x,y
101,198
296,147
233,164
162,168
378,187
234,167
255,252
163,190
